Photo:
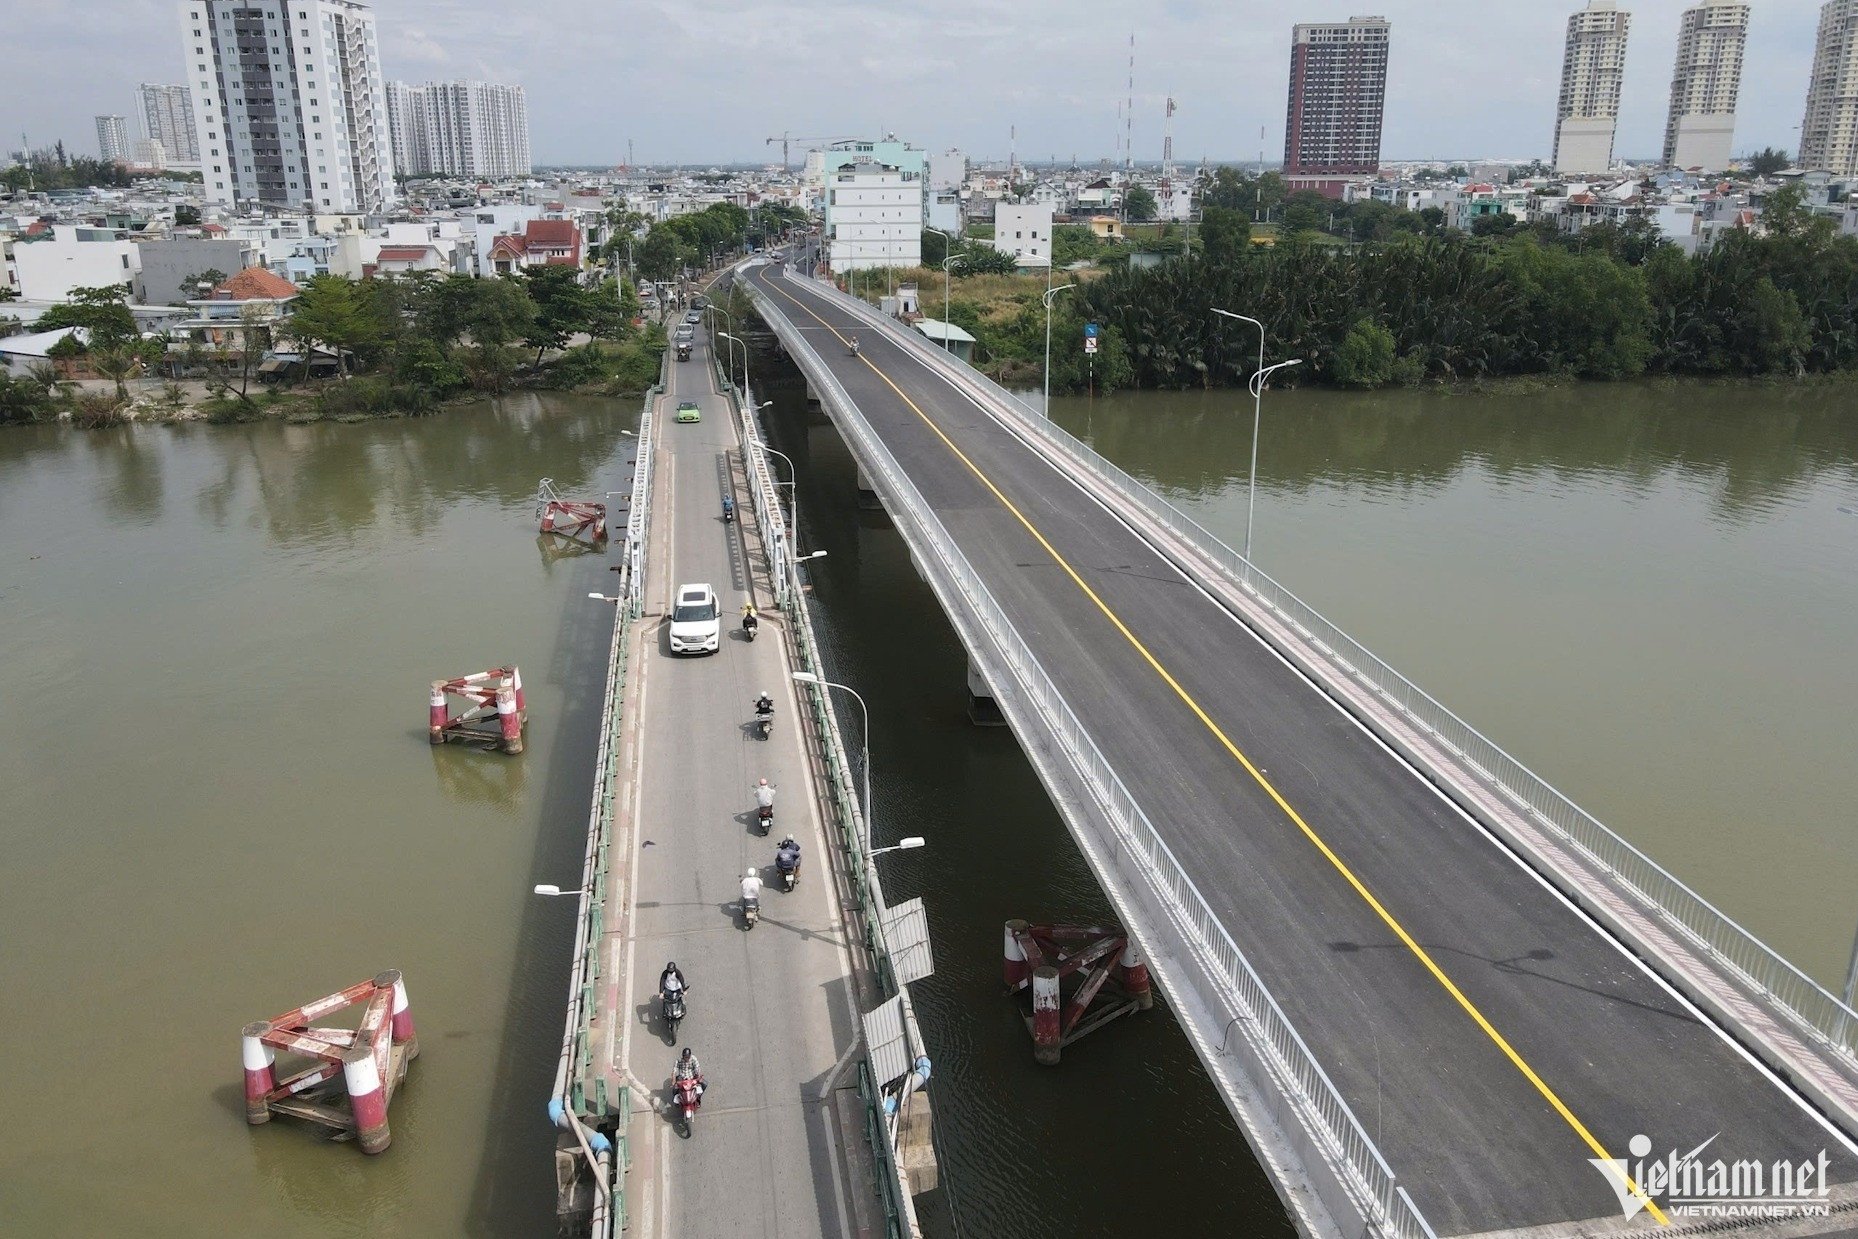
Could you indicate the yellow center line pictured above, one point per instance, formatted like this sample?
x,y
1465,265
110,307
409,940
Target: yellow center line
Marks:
x,y
1329,854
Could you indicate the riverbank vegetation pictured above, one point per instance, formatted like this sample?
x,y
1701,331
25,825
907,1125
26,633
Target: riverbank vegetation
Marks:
x,y
390,346
1608,303
1393,297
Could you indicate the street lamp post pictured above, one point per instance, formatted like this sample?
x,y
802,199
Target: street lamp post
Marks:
x,y
807,677
1049,294
726,314
738,340
792,482
901,845
1257,387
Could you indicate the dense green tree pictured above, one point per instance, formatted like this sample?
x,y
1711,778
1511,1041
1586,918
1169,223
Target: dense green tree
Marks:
x,y
23,400
1225,234
1767,161
565,307
986,260
1499,224
1365,358
103,312
338,314
1139,203
186,216
935,247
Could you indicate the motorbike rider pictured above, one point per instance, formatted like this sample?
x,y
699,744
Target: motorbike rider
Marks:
x,y
764,704
671,981
787,856
854,344
688,1068
764,795
728,508
751,886
751,618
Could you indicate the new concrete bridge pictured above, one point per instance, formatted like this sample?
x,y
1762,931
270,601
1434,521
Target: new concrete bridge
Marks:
x,y
1437,997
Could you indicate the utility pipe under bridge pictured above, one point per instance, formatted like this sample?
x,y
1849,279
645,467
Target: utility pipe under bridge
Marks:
x,y
1438,997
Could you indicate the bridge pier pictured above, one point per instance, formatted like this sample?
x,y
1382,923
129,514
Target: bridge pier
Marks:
x,y
867,494
983,710
812,395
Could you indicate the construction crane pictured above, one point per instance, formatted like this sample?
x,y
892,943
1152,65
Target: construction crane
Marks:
x,y
787,141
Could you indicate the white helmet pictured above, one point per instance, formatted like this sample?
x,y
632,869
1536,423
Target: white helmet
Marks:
x,y
752,873
764,783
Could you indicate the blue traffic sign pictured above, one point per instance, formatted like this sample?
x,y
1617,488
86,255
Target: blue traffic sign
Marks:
x,y
1090,331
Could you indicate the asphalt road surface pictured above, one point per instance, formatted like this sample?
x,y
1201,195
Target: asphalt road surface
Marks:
x,y
1488,1037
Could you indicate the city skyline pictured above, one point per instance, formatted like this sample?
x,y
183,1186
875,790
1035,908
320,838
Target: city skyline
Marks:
x,y
1468,80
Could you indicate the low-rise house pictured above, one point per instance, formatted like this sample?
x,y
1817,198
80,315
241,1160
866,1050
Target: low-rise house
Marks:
x,y
51,262
542,242
20,354
1025,232
406,259
170,268
253,295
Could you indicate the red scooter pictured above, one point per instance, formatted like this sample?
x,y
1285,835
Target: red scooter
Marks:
x,y
687,1095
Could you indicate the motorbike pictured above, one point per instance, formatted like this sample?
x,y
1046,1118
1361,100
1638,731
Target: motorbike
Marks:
x,y
764,719
764,815
728,511
789,877
687,1095
749,626
854,346
751,912
672,1008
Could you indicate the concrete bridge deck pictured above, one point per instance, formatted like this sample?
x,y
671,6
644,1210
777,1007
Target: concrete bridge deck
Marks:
x,y
1489,1035
778,1146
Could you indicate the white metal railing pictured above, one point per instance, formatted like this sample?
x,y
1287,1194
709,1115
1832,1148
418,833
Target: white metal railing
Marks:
x,y
1382,1200
639,515
1796,995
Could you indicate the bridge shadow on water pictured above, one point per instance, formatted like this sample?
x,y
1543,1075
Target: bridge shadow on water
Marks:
x,y
515,1183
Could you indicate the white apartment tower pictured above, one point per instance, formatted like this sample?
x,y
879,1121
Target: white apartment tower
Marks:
x,y
1592,69
112,139
1829,134
1701,127
290,107
168,118
406,128
466,129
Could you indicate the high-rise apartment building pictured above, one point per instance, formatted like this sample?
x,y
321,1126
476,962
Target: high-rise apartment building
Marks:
x,y
168,118
406,128
112,139
290,107
1700,129
1829,134
1592,69
1338,91
468,129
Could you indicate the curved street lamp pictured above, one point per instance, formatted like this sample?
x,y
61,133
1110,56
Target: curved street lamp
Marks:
x,y
1049,294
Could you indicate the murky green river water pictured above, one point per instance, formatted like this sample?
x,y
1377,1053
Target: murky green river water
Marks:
x,y
219,801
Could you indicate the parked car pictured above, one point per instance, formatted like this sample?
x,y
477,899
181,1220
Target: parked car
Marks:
x,y
696,623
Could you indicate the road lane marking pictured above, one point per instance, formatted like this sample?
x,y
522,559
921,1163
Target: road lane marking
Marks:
x,y
1328,853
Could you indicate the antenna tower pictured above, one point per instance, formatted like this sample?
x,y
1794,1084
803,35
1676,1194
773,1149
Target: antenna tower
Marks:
x,y
1129,114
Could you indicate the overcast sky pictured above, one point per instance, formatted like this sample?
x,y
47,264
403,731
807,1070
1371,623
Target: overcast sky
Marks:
x,y
709,80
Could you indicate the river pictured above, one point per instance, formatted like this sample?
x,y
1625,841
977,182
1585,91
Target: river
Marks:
x,y
220,803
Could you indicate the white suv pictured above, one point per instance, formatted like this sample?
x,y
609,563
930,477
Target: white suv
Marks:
x,y
696,624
